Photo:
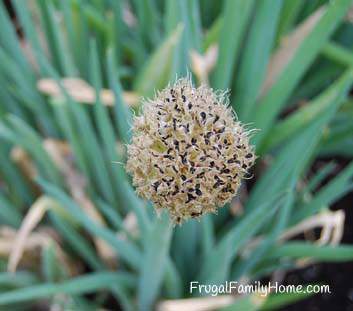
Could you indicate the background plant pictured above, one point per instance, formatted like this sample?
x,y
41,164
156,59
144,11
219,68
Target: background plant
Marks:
x,y
71,224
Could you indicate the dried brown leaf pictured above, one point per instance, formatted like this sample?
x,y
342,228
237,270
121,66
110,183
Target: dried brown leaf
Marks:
x,y
288,48
202,65
30,221
81,91
35,242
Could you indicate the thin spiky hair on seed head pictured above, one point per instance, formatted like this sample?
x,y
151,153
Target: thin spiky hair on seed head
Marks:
x,y
188,152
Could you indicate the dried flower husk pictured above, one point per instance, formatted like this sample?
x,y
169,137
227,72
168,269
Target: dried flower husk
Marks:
x,y
188,153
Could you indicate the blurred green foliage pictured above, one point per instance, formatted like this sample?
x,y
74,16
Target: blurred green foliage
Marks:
x,y
288,65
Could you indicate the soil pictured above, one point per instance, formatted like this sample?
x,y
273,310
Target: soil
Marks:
x,y
338,275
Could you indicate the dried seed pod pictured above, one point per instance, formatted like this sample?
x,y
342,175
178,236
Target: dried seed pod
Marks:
x,y
188,154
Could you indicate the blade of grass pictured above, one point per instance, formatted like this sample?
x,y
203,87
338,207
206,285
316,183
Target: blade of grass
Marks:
x,y
335,189
315,181
18,279
236,14
226,249
82,247
280,300
299,151
21,134
125,249
156,73
122,113
288,127
56,43
290,12
9,40
256,53
251,302
300,250
271,104
17,185
183,252
278,226
8,213
80,285
154,262
89,143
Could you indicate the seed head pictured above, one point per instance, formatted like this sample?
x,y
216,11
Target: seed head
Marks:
x,y
188,154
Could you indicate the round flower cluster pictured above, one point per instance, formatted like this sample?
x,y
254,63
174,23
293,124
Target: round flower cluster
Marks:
x,y
188,154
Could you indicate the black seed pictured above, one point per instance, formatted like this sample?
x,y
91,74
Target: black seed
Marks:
x,y
209,134
155,185
225,141
212,164
193,140
167,99
190,198
189,105
248,156
221,130
216,119
244,166
203,115
198,192
196,214
192,163
187,128
231,161
174,169
184,98
203,158
192,170
207,141
225,171
183,177
174,124
190,190
183,158
200,175
167,156
197,186
227,189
